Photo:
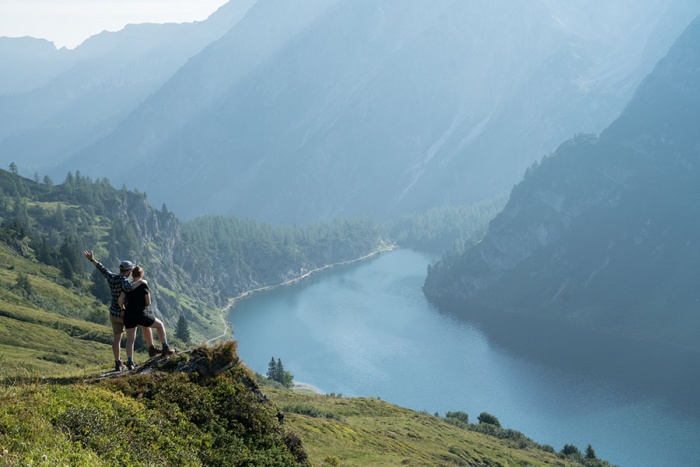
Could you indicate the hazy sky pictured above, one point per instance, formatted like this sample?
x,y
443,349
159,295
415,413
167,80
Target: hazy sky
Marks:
x,y
67,23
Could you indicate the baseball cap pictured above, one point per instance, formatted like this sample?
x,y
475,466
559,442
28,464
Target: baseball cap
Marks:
x,y
126,265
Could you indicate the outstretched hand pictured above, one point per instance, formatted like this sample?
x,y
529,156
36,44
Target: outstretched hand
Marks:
x,y
88,255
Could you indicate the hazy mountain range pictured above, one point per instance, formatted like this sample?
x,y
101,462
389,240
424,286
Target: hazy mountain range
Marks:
x,y
295,112
54,102
606,232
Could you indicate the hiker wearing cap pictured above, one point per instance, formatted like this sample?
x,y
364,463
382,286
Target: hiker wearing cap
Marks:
x,y
119,283
134,304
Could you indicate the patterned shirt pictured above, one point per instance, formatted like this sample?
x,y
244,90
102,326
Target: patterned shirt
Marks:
x,y
117,284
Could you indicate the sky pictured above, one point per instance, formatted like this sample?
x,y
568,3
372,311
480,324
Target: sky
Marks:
x,y
67,23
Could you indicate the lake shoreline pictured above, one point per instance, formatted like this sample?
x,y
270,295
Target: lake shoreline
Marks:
x,y
306,387
223,313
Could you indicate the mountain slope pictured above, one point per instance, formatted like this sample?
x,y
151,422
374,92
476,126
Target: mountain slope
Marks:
x,y
379,108
204,407
197,408
604,233
194,269
99,84
27,63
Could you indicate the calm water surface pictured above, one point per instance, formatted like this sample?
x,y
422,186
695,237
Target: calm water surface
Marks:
x,y
366,330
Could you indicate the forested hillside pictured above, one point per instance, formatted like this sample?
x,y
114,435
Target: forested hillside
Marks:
x,y
194,268
446,229
54,341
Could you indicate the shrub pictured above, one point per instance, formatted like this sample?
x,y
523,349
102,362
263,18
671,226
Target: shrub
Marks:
x,y
572,452
459,419
485,417
331,460
309,411
52,357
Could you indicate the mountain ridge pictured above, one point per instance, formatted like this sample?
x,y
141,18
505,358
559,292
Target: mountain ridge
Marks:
x,y
602,233
369,109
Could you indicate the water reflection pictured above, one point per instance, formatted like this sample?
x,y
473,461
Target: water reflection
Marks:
x,y
635,368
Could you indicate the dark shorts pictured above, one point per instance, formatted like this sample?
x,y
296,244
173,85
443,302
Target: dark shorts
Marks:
x,y
131,320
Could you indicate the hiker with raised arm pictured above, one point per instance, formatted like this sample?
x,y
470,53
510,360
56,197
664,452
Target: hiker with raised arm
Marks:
x,y
134,314
119,283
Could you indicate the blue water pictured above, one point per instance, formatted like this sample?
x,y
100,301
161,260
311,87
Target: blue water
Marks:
x,y
367,330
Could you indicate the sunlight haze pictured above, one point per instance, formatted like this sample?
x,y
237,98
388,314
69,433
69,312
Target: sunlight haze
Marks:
x,y
69,23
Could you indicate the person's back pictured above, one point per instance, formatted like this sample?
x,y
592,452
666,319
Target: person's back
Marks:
x,y
135,315
136,299
119,283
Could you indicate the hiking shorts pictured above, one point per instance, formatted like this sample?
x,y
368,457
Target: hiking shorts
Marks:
x,y
117,325
131,320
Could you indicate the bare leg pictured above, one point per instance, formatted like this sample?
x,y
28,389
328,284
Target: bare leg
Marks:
x,y
116,346
130,338
160,329
147,335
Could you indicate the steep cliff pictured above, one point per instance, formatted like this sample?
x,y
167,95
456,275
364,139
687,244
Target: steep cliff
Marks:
x,y
605,232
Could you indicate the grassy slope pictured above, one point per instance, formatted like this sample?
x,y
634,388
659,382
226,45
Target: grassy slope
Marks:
x,y
38,346
371,432
176,414
167,420
35,342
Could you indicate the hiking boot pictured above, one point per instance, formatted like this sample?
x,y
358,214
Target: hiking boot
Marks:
x,y
130,366
118,365
153,351
166,351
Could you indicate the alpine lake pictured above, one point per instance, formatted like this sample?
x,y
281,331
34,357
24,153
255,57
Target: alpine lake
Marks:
x,y
366,330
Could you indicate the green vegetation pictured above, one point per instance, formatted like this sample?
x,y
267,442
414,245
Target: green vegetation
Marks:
x,y
182,330
371,432
201,407
276,372
194,268
452,229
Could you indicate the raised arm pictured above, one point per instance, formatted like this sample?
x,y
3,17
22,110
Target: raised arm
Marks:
x,y
91,257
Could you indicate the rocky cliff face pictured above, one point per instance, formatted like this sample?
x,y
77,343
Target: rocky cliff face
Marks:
x,y
605,231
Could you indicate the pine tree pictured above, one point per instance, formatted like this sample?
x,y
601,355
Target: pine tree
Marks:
x,y
71,259
282,376
276,372
279,371
590,453
182,331
272,370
